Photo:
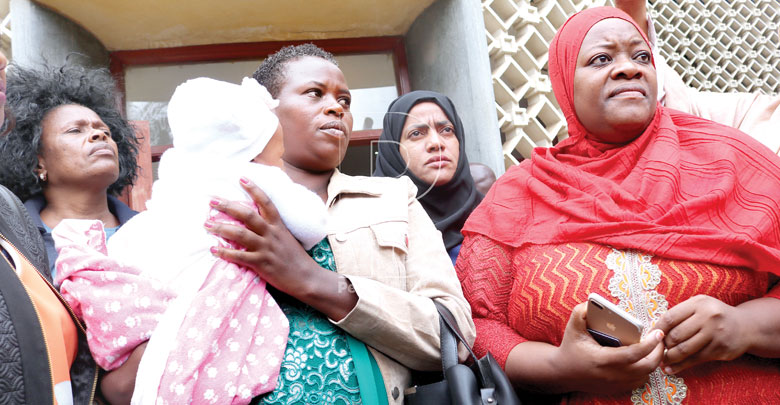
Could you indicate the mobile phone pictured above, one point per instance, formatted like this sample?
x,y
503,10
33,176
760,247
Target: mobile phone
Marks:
x,y
609,325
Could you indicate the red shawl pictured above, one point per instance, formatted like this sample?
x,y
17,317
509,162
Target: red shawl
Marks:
x,y
687,188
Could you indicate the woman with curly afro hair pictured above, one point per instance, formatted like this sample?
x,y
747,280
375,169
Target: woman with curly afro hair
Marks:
x,y
70,152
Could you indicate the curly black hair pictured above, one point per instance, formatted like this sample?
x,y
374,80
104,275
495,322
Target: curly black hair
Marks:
x,y
31,94
271,73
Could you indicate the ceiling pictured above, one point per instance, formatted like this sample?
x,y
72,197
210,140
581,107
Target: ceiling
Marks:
x,y
145,24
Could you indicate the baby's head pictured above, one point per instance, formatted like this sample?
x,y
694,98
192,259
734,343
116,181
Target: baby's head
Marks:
x,y
226,121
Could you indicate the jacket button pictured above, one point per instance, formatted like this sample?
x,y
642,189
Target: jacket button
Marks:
x,y
396,393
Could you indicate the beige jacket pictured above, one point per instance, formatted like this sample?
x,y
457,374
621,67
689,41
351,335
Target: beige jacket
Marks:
x,y
387,246
755,114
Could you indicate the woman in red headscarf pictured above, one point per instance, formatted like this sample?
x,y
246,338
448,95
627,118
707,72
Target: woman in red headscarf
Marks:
x,y
673,217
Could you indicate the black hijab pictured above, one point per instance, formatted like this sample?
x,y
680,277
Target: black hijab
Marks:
x,y
448,205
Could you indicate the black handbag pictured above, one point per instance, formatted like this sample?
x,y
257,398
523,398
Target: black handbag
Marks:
x,y
482,383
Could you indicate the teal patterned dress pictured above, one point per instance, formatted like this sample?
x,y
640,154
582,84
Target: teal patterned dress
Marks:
x,y
318,367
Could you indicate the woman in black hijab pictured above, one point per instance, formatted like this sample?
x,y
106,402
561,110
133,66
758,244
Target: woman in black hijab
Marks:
x,y
422,137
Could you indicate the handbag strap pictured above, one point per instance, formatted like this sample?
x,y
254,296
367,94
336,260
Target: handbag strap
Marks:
x,y
449,346
449,333
450,328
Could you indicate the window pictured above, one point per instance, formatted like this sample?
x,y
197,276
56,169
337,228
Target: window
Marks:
x,y
375,69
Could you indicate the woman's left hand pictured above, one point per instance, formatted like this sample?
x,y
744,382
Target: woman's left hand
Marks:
x,y
701,329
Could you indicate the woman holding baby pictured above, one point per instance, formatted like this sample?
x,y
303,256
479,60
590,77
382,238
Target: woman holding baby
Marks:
x,y
374,277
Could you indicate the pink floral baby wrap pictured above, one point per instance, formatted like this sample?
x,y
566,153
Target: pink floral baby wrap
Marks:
x,y
230,342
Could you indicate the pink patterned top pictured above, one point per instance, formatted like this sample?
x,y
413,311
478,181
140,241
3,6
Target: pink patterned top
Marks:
x,y
229,345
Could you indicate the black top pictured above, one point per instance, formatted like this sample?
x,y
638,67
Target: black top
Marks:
x,y
448,205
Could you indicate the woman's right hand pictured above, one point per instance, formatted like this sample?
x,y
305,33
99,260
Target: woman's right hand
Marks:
x,y
581,364
590,367
270,249
274,254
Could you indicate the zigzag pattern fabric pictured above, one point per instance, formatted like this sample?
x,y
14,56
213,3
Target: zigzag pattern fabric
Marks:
x,y
528,293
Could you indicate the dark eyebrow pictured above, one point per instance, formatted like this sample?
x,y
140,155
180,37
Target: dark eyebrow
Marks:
x,y
322,85
418,126
437,124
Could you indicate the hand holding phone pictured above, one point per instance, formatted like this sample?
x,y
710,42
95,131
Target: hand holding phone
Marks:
x,y
586,366
609,325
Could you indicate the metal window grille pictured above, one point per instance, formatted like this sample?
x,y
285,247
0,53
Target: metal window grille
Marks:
x,y
715,45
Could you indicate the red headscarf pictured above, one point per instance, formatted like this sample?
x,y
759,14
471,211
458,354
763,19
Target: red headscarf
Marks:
x,y
686,188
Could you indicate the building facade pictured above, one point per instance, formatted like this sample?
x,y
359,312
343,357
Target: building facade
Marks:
x,y
489,56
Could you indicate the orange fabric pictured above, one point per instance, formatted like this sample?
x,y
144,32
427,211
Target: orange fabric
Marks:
x,y
528,293
58,327
687,188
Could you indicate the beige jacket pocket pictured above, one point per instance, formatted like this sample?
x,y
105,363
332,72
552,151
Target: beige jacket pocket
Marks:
x,y
389,265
